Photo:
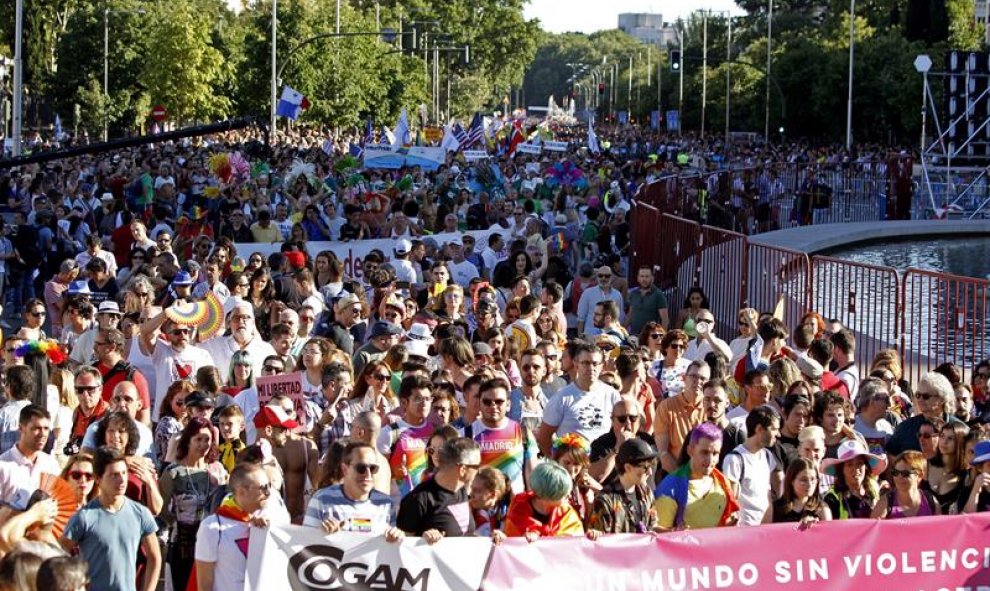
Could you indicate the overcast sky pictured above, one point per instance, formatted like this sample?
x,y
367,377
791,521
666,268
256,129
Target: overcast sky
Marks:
x,y
588,16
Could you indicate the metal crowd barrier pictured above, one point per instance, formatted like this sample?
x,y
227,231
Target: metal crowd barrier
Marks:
x,y
929,317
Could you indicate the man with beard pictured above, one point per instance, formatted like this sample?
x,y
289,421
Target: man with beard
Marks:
x,y
677,415
715,400
526,403
753,466
627,421
504,443
175,358
243,337
297,456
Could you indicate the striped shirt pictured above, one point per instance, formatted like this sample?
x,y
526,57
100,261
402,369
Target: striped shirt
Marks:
x,y
506,448
371,516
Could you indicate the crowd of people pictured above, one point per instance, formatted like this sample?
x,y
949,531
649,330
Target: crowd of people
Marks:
x,y
518,387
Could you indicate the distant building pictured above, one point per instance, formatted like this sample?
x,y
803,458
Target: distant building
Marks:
x,y
649,28
982,14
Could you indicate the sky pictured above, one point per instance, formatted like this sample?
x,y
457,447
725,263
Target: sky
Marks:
x,y
588,16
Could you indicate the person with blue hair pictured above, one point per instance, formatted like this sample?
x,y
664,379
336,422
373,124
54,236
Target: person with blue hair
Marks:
x,y
543,511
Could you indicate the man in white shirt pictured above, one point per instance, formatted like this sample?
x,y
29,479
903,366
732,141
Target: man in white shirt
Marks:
x,y
706,341
243,337
175,358
462,271
21,466
490,254
404,270
222,540
753,466
583,407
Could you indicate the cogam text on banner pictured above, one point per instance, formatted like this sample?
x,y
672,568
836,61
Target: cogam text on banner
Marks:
x,y
306,559
921,554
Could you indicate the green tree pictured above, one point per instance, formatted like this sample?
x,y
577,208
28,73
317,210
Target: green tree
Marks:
x,y
183,70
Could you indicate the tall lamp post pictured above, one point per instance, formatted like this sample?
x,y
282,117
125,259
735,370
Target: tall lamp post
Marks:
x,y
106,62
18,76
766,120
852,45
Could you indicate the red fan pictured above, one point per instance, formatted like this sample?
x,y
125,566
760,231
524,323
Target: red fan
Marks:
x,y
63,494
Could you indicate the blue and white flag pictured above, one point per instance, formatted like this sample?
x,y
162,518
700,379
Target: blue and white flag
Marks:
x,y
402,136
58,128
327,147
388,135
450,143
593,146
292,104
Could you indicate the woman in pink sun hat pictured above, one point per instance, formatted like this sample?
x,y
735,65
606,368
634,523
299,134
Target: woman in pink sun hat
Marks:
x,y
855,491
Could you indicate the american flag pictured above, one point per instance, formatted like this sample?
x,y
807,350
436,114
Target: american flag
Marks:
x,y
460,135
475,133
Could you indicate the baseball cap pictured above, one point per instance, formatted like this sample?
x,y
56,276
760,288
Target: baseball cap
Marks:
x,y
482,349
80,287
182,278
403,247
383,328
634,450
271,416
106,197
199,399
109,307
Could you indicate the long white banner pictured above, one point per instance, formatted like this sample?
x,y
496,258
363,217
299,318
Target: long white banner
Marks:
x,y
306,559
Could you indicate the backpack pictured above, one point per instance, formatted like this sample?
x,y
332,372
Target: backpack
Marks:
x,y
742,466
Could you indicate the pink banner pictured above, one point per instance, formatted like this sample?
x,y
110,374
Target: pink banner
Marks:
x,y
920,554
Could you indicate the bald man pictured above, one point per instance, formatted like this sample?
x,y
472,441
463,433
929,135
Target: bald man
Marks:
x,y
125,398
366,427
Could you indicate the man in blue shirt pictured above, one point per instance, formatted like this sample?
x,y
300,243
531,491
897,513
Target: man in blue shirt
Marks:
x,y
108,530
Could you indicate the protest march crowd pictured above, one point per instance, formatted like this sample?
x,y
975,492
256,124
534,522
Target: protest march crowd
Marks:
x,y
166,387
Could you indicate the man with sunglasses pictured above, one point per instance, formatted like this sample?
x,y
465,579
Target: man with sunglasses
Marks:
x,y
175,357
438,507
504,443
354,505
627,421
590,298
347,327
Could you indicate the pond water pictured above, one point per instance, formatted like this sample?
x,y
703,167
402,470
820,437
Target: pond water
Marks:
x,y
969,256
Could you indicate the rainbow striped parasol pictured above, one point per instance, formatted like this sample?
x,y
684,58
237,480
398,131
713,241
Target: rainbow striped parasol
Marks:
x,y
206,315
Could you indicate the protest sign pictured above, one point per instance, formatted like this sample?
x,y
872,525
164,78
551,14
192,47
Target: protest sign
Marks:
x,y
307,559
473,155
289,384
528,148
555,146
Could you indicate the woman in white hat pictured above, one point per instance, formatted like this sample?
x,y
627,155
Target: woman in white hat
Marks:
x,y
855,492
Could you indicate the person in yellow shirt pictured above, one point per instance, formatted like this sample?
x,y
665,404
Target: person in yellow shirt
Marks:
x,y
264,230
697,495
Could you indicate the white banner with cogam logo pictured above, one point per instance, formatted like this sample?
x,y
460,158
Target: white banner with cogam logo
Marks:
x,y
310,560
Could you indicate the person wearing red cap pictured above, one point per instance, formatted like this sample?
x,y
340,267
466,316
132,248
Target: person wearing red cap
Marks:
x,y
297,456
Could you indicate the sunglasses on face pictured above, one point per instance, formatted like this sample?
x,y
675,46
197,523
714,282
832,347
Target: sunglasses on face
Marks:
x,y
623,419
85,389
80,475
493,402
366,468
180,331
902,473
379,377
925,396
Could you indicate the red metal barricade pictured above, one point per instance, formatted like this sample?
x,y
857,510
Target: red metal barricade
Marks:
x,y
944,319
677,242
864,298
644,220
722,260
778,276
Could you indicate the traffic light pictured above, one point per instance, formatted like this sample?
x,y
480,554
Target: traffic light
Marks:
x,y
601,88
675,61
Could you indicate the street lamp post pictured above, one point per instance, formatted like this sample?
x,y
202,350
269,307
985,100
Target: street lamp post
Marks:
x,y
18,78
271,114
766,121
704,69
852,44
106,62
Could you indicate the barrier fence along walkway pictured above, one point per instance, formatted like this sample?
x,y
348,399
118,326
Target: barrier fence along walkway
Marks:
x,y
929,317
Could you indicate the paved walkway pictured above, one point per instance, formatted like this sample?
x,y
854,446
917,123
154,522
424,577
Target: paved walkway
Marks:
x,y
813,239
